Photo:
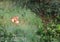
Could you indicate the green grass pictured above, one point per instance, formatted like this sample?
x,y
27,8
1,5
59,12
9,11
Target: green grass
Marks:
x,y
26,29
29,25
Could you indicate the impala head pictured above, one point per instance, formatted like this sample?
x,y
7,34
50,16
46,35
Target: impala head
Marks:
x,y
15,19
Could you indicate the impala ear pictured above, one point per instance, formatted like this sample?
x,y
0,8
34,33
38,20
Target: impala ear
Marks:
x,y
12,20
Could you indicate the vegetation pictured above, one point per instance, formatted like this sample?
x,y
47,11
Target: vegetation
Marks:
x,y
39,21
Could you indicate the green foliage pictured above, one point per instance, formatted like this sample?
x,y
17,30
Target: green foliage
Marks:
x,y
31,28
